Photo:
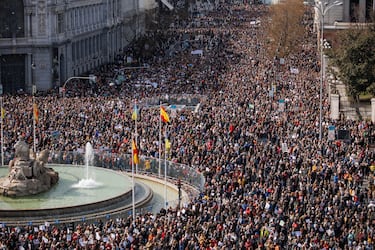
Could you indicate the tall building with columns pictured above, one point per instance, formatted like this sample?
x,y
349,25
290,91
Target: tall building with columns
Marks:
x,y
44,42
349,13
358,11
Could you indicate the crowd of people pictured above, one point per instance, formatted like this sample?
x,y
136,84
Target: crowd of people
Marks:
x,y
270,182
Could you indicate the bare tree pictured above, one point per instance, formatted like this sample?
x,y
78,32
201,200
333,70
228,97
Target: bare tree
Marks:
x,y
285,27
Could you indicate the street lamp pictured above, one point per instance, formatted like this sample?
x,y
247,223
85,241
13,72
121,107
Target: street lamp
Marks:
x,y
322,7
326,46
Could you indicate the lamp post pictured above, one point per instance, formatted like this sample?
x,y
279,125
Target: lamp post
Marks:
x,y
326,45
322,7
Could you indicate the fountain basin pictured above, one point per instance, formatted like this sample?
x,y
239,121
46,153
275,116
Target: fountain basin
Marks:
x,y
65,202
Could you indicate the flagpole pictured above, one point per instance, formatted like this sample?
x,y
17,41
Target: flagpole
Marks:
x,y
133,191
34,125
165,177
133,194
164,116
2,131
159,140
136,132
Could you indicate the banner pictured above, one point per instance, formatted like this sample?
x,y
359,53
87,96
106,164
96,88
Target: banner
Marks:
x,y
331,133
197,52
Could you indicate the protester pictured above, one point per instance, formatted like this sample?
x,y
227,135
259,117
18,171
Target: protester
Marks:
x,y
270,183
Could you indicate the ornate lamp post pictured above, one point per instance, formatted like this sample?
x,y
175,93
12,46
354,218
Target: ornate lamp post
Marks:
x,y
322,7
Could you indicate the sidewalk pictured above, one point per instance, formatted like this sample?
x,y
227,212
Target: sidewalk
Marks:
x,y
350,110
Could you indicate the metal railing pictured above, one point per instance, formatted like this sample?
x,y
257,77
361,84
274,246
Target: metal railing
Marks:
x,y
147,165
192,180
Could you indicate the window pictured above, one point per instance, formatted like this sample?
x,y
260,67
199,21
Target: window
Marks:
x,y
60,23
75,18
12,19
90,46
74,52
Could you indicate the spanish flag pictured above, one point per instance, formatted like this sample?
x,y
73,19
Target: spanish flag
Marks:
x,y
135,152
135,113
163,114
36,112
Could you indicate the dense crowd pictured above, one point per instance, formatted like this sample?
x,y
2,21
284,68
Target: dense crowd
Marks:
x,y
270,183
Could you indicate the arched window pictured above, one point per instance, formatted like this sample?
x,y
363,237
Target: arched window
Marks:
x,y
12,19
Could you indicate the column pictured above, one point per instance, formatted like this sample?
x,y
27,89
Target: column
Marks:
x,y
362,11
29,72
346,7
335,106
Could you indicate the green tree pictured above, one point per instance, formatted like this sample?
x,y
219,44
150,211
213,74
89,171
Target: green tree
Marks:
x,y
285,27
355,58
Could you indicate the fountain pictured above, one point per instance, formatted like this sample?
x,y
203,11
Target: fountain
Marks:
x,y
89,181
89,158
71,198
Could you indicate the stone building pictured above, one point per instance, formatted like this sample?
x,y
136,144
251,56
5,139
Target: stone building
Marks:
x,y
44,42
349,12
358,11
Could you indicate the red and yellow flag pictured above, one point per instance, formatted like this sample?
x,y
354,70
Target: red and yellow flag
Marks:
x,y
36,112
135,152
163,114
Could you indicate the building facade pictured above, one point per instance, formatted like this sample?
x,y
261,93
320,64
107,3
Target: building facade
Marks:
x,y
44,42
350,11
358,11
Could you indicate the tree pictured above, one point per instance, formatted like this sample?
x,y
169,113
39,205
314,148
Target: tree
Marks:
x,y
285,27
354,56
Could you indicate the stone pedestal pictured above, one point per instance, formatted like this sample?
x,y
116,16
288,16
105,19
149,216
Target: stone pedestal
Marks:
x,y
335,106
